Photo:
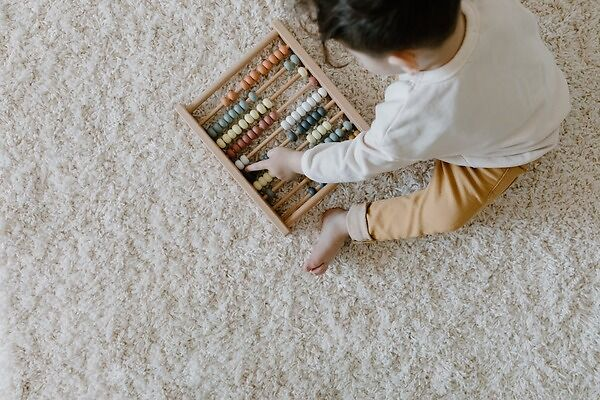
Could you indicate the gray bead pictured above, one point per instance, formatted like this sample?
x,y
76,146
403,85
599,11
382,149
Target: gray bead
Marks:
x,y
291,135
348,126
288,65
252,97
228,118
217,128
238,109
333,137
321,185
269,193
322,111
264,157
316,115
339,133
222,123
327,140
244,105
294,58
232,113
312,191
213,134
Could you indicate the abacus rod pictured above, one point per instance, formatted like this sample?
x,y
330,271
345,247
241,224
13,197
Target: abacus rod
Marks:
x,y
285,87
232,71
294,98
271,81
296,206
291,193
296,215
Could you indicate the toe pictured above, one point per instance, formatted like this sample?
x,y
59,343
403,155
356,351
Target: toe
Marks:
x,y
320,270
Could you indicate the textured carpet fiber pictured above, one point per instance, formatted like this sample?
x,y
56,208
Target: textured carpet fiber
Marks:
x,y
132,266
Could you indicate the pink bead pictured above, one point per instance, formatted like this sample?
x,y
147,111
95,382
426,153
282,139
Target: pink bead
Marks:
x,y
274,116
253,135
313,81
257,130
246,139
263,124
236,148
241,143
230,153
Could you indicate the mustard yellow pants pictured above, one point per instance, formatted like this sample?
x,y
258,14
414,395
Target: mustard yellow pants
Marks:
x,y
452,198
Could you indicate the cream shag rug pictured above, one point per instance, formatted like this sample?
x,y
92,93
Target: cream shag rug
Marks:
x,y
134,268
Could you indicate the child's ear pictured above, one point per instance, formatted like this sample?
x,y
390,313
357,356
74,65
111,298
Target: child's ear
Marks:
x,y
405,59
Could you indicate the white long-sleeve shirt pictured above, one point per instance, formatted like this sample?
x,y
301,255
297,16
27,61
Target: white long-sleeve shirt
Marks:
x,y
498,103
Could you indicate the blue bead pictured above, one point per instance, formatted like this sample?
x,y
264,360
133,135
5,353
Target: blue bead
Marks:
x,y
291,135
223,123
294,58
217,128
322,111
305,125
311,121
238,109
244,105
339,133
228,118
348,126
252,97
316,115
333,137
312,191
213,134
233,114
327,140
288,65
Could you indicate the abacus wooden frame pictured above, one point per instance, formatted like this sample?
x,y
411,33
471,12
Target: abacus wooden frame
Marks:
x,y
280,31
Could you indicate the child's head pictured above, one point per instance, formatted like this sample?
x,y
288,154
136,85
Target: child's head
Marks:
x,y
374,30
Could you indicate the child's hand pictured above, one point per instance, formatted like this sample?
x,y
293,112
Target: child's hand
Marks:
x,y
282,163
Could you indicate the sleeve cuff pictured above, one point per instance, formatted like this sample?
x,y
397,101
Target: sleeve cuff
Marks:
x,y
356,222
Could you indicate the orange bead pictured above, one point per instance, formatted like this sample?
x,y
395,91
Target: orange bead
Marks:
x,y
262,70
249,80
267,64
255,75
279,55
225,101
230,153
274,60
232,95
236,148
285,49
244,85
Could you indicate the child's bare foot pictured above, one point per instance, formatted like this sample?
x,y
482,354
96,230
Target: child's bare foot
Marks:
x,y
331,239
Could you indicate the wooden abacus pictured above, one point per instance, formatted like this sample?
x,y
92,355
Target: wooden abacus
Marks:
x,y
242,115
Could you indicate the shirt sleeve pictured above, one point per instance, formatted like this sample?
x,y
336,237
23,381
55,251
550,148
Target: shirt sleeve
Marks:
x,y
369,154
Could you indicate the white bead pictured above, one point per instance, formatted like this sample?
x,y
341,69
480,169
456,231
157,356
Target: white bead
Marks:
x,y
268,103
285,125
231,134
257,185
317,97
322,92
290,120
268,177
255,114
322,129
296,116
237,129
249,119
261,109
226,139
311,101
239,164
303,72
316,134
262,181
221,143
244,160
301,111
327,125
306,106
243,124
311,139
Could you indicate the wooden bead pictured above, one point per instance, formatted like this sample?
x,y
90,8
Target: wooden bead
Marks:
x,y
267,64
284,49
255,114
241,143
322,92
294,58
237,129
274,115
303,72
268,103
235,147
313,81
257,130
252,97
249,119
261,109
243,124
230,153
252,135
263,124
244,85
226,139
246,139
257,185
290,120
239,165
268,120
244,160
221,143
249,80
285,125
226,102
279,55
273,60
327,125
262,70
232,95
255,75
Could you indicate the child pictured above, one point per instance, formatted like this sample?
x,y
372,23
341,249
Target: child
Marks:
x,y
478,92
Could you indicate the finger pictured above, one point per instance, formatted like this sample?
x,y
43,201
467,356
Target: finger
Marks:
x,y
320,270
257,166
